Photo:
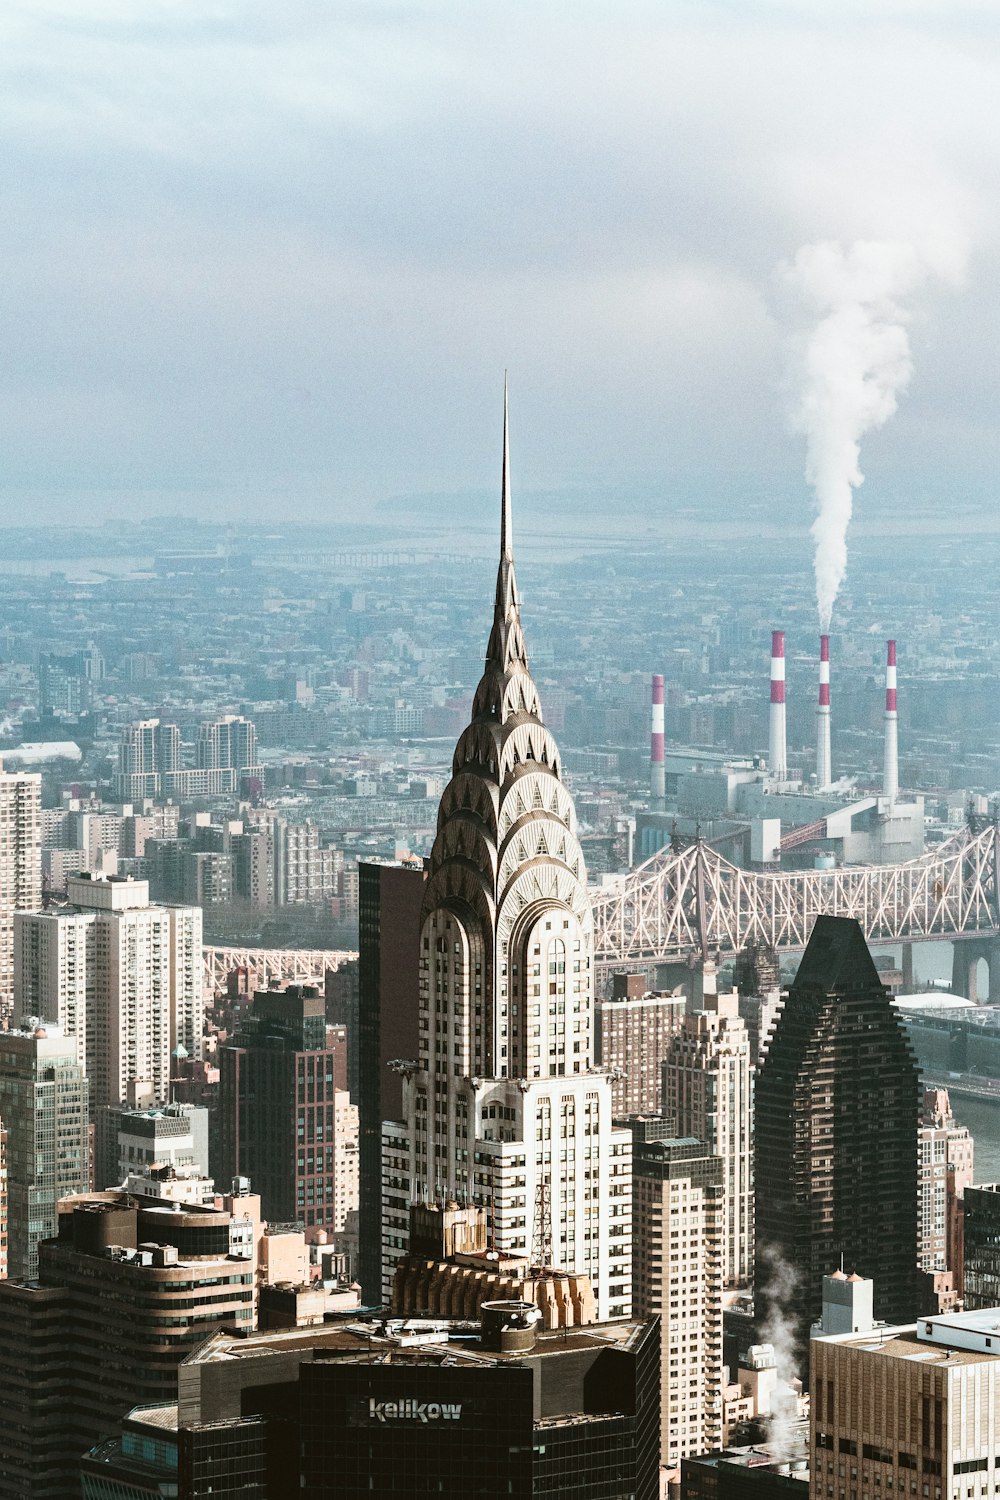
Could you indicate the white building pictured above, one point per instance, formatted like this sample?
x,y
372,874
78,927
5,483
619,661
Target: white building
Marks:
x,y
123,979
20,866
505,1107
707,1094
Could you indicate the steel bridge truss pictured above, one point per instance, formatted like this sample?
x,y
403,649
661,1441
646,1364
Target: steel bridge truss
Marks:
x,y
681,905
264,965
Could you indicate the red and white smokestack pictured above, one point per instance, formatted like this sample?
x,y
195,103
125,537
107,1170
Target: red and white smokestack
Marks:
x,y
777,756
824,773
657,761
890,764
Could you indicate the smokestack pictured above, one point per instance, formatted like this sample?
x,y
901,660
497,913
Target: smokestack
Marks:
x,y
824,774
890,765
777,757
657,765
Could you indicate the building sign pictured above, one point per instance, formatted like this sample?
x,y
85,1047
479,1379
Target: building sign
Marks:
x,y
409,1410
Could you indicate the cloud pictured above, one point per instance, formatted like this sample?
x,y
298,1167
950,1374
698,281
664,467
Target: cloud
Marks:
x,y
217,208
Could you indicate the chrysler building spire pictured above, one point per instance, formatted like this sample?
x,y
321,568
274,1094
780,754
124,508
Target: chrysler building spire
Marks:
x,y
505,1107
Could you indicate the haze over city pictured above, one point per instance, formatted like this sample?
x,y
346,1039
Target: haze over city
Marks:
x,y
261,261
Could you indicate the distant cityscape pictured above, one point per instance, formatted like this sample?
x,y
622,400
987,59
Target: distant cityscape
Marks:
x,y
384,1052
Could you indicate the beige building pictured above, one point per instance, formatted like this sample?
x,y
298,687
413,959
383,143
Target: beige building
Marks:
x,y
20,867
677,1261
944,1170
634,1031
707,1094
911,1410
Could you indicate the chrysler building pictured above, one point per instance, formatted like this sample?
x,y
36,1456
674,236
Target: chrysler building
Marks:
x,y
505,1107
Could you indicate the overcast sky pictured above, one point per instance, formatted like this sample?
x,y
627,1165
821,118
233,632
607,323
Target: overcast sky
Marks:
x,y
263,256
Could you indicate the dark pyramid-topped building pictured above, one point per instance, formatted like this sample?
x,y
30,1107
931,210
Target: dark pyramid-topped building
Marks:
x,y
837,1104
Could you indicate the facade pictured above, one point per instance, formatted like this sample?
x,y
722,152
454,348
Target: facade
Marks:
x,y
174,1135
304,870
139,1465
708,1094
389,902
147,751
917,1407
945,1169
836,1111
229,744
678,1239
286,1121
125,1292
505,1107
393,1410
43,1106
981,1236
121,977
634,1032
20,868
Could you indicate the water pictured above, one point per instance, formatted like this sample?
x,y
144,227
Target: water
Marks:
x,y
983,1121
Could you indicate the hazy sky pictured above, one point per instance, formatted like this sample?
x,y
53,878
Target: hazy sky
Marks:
x,y
266,255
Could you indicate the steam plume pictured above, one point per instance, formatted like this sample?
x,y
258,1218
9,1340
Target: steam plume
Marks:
x,y
856,362
779,1329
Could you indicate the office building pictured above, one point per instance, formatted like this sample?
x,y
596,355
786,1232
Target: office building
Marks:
x,y
981,1244
505,1107
3,1203
43,1106
708,1094
916,1407
634,1030
388,1001
170,1135
122,1294
20,868
392,1409
139,1465
286,1120
678,1243
944,1170
837,1106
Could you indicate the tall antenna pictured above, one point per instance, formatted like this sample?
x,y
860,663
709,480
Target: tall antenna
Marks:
x,y
541,1242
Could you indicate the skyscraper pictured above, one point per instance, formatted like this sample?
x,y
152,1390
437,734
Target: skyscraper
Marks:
x,y
678,1257
20,867
945,1167
707,1094
285,1118
837,1105
43,1105
505,1107
122,1294
389,902
122,978
634,1031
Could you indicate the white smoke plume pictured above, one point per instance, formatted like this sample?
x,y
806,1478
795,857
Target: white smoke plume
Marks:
x,y
855,362
779,1330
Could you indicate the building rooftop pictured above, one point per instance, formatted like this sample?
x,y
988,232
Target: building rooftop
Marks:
x,y
416,1340
965,1338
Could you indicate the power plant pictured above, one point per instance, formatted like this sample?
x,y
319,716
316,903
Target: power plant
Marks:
x,y
763,811
823,771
